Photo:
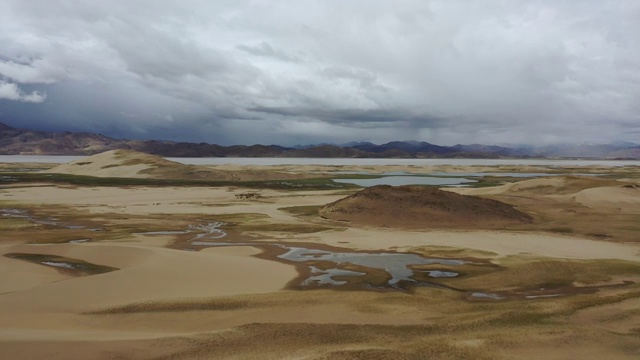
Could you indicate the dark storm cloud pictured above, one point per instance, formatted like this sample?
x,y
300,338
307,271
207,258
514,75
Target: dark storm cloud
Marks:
x,y
300,71
358,118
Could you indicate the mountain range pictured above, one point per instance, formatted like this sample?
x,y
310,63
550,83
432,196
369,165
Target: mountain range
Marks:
x,y
14,141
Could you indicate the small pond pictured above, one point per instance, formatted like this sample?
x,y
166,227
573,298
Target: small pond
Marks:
x,y
407,180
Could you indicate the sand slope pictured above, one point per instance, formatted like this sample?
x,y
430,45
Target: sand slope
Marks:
x,y
134,164
591,192
610,197
43,313
115,163
146,274
557,185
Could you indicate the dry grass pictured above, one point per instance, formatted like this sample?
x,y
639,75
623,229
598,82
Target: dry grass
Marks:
x,y
451,330
555,210
422,207
186,305
424,323
10,224
450,252
520,273
286,228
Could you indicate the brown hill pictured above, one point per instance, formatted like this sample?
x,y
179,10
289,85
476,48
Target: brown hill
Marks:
x,y
421,207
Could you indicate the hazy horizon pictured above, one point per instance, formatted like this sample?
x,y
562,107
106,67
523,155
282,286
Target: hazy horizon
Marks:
x,y
356,142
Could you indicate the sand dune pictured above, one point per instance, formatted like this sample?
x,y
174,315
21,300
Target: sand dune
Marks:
x,y
133,164
115,163
146,274
498,242
536,185
557,185
43,313
590,192
610,197
18,275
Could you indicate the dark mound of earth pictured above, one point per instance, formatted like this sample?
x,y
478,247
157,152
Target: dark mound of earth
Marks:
x,y
421,207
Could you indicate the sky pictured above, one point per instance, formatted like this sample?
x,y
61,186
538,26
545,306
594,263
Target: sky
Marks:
x,y
308,72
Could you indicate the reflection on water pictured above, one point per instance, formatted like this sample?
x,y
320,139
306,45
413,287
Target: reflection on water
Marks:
x,y
58,264
75,227
395,264
450,174
441,274
163,232
542,296
399,178
79,241
341,162
406,180
405,162
211,230
398,266
486,296
325,277
24,214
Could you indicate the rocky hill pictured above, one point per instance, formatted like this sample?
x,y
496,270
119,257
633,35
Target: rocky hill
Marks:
x,y
15,141
421,207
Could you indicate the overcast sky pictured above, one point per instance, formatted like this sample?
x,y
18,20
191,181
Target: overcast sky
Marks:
x,y
301,72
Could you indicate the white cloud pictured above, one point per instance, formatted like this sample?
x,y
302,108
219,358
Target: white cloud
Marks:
x,y
38,72
11,91
444,71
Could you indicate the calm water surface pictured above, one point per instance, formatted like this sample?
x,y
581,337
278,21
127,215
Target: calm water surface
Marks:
x,y
342,162
406,180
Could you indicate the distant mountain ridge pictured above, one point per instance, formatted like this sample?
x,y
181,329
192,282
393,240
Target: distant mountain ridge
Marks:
x,y
15,141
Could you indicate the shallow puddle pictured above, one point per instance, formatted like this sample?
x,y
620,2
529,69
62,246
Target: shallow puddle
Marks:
x,y
395,264
441,274
163,232
325,277
79,241
480,295
24,214
406,180
395,269
211,230
71,266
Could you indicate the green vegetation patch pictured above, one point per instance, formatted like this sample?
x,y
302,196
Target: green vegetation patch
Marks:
x,y
302,210
291,228
298,184
63,264
450,252
518,273
586,302
7,224
176,306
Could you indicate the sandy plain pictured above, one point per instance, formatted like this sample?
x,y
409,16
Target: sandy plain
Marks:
x,y
569,281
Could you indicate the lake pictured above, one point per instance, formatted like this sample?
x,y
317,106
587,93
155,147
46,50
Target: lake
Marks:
x,y
407,180
342,162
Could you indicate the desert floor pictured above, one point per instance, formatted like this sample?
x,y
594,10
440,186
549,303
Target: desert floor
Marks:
x,y
111,272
